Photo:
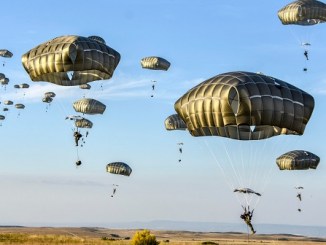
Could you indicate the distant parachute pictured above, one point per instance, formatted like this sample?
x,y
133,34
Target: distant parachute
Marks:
x,y
174,122
297,160
155,63
247,191
245,106
5,53
20,106
73,117
83,123
23,85
71,60
118,168
85,86
2,117
8,102
49,94
4,81
47,99
89,106
303,12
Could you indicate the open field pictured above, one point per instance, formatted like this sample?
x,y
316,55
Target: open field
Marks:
x,y
94,235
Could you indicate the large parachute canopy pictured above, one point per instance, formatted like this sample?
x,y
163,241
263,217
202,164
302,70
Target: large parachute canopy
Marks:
x,y
118,168
174,122
71,60
245,106
89,106
303,12
297,160
155,63
5,53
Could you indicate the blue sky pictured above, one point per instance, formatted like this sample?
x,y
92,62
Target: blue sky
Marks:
x,y
40,183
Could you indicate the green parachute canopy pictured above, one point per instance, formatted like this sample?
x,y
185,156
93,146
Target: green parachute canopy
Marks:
x,y
20,106
155,63
303,12
83,123
89,106
118,168
71,60
297,160
174,122
245,106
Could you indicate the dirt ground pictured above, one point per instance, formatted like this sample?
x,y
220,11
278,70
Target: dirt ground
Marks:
x,y
94,235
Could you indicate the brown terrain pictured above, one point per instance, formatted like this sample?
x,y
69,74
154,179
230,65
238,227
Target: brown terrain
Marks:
x,y
94,235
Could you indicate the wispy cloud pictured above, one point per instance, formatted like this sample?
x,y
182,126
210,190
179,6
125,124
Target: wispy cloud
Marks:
x,y
50,180
121,87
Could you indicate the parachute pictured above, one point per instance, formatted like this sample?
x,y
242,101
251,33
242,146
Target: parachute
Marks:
x,y
71,60
119,168
4,81
245,106
89,106
47,99
246,191
83,123
49,94
8,102
23,85
19,106
174,122
73,117
244,109
2,117
303,12
85,86
297,160
5,53
155,63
